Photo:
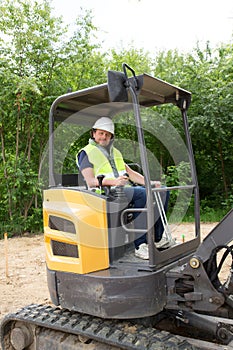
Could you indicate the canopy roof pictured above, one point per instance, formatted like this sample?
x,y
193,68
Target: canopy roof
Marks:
x,y
94,102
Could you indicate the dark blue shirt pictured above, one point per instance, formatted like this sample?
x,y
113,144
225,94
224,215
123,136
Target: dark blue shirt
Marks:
x,y
83,161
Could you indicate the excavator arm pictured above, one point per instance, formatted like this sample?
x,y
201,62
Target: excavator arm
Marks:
x,y
222,234
196,295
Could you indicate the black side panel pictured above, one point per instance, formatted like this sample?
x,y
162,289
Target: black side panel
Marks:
x,y
134,295
52,286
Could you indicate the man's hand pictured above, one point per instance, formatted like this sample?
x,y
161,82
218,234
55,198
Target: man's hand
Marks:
x,y
121,180
156,184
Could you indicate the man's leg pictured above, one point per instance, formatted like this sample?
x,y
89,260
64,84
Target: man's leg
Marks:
x,y
137,196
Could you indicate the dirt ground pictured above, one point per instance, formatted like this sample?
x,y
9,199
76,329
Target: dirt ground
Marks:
x,y
23,273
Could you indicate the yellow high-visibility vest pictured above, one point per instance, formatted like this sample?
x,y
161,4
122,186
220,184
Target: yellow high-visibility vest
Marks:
x,y
101,164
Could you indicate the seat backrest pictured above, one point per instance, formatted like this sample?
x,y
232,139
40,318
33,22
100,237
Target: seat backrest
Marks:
x,y
69,180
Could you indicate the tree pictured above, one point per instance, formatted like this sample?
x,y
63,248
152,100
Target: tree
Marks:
x,y
34,52
207,74
212,119
26,74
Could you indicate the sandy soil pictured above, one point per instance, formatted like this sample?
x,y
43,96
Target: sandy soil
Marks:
x,y
23,279
23,272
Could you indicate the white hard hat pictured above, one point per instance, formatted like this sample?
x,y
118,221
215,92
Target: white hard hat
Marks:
x,y
104,123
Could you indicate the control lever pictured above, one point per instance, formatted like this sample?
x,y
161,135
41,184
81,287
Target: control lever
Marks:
x,y
119,190
100,180
130,181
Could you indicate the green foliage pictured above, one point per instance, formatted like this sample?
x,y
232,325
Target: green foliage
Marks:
x,y
227,204
179,175
138,59
208,75
44,63
210,214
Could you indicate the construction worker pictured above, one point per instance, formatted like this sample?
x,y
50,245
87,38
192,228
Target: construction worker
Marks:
x,y
101,157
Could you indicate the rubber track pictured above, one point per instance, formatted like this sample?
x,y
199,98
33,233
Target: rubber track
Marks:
x,y
112,332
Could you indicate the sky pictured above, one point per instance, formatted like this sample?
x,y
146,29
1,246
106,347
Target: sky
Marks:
x,y
155,25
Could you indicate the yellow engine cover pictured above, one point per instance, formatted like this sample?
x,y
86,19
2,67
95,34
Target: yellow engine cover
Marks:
x,y
75,231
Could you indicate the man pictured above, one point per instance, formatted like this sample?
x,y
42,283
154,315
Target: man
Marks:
x,y
100,157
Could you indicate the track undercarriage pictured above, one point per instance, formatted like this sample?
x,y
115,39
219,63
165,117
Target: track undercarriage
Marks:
x,y
44,327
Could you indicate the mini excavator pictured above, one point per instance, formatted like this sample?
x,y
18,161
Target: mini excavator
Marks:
x,y
103,296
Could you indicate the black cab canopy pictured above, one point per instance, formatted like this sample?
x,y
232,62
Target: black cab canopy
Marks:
x,y
151,91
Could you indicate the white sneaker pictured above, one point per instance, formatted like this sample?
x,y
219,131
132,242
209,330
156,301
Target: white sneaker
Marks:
x,y
165,243
142,252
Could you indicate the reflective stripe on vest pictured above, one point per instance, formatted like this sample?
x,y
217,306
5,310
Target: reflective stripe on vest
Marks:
x,y
101,164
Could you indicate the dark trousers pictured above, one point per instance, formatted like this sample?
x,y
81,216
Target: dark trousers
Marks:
x,y
136,195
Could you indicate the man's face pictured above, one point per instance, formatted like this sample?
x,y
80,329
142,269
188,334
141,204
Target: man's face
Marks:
x,y
102,137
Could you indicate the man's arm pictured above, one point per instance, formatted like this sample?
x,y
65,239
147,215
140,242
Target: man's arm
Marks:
x,y
138,178
89,177
87,171
134,176
92,181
